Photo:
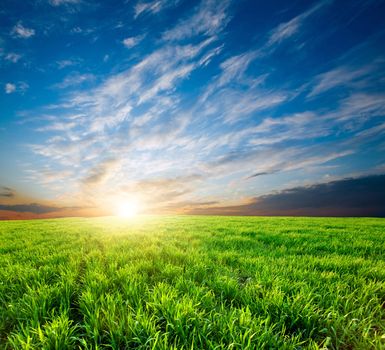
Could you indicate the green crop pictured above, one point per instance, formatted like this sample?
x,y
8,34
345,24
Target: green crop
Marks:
x,y
187,282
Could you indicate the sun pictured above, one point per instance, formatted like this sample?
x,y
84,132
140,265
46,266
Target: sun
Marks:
x,y
127,209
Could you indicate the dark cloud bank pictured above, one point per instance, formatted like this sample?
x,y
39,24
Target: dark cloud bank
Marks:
x,y
34,208
6,192
363,196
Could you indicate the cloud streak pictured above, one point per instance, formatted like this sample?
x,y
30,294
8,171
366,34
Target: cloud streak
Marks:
x,y
290,28
6,192
357,78
13,57
209,18
132,41
20,31
64,2
20,87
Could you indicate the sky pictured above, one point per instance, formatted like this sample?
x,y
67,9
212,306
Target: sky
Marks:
x,y
237,107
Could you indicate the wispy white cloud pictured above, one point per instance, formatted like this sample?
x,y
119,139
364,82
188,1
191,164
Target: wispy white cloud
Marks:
x,y
370,134
167,81
358,108
20,87
112,107
234,95
284,31
275,159
82,30
12,57
109,107
210,18
288,29
272,131
57,126
76,30
346,77
152,6
47,176
232,70
68,63
206,59
99,173
20,31
9,88
63,2
234,67
127,89
132,41
234,106
74,80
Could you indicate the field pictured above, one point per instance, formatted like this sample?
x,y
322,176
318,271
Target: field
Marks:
x,y
188,282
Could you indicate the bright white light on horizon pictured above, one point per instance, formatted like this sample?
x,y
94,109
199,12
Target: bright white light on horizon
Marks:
x,y
127,209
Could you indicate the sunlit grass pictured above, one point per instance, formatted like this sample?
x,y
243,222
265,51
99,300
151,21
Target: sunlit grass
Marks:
x,y
192,282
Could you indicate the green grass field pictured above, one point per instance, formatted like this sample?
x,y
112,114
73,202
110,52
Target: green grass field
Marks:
x,y
187,282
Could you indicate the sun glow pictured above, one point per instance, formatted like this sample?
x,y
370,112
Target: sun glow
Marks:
x,y
127,209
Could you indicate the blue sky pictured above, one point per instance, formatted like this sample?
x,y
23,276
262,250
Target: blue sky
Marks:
x,y
186,106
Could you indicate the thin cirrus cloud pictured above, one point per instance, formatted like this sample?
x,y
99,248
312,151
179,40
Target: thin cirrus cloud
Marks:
x,y
64,2
20,87
232,70
132,41
152,7
98,173
74,80
288,29
12,57
20,31
344,76
61,64
149,6
209,18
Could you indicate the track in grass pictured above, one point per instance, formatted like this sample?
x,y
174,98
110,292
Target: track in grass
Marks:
x,y
193,283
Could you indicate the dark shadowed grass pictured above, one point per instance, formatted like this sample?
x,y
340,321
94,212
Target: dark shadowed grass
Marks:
x,y
193,283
